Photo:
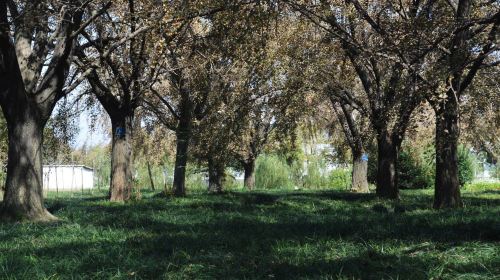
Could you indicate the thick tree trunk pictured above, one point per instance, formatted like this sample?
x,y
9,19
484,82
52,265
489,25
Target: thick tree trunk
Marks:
x,y
23,199
150,176
387,181
359,174
249,180
447,187
183,134
121,159
215,177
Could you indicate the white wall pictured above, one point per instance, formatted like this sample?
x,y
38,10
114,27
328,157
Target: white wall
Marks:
x,y
67,178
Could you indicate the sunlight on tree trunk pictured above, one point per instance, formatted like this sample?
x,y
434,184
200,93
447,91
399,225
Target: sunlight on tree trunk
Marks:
x,y
359,174
121,160
23,198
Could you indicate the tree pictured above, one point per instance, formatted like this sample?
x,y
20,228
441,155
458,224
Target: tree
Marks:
x,y
257,88
480,114
471,45
253,139
184,93
388,54
36,43
347,119
153,147
346,97
176,100
117,52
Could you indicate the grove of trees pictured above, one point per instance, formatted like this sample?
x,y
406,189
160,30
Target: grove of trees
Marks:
x,y
217,83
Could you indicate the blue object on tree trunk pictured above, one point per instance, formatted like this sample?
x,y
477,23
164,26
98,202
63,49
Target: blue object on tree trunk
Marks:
x,y
364,157
120,132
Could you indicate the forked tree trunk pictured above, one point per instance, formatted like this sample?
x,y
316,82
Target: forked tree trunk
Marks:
x,y
215,177
359,174
387,181
447,186
249,179
23,199
183,134
359,180
121,159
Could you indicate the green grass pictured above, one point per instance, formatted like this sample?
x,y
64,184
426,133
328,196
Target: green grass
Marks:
x,y
261,235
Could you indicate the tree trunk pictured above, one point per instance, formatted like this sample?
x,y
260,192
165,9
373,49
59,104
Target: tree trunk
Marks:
x,y
183,134
215,177
386,167
164,171
249,181
447,187
150,176
23,199
359,174
121,159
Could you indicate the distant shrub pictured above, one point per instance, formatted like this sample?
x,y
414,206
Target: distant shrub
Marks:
x,y
315,177
482,186
340,178
496,171
417,168
196,182
230,182
272,172
144,181
465,165
413,171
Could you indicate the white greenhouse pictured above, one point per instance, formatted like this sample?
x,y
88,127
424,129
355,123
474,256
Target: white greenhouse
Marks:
x,y
67,178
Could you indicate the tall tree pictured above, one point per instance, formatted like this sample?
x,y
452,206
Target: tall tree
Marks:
x,y
179,99
472,44
387,52
350,106
356,141
188,59
117,51
37,39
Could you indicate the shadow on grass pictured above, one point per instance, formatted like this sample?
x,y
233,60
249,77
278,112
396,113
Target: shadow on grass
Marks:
x,y
491,192
207,255
247,235
272,215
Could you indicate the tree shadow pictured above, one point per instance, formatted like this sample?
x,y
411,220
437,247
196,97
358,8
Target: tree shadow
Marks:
x,y
235,236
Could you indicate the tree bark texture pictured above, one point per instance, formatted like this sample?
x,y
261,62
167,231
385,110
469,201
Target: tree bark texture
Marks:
x,y
151,181
447,186
121,158
359,180
359,174
387,181
23,199
216,176
249,179
183,134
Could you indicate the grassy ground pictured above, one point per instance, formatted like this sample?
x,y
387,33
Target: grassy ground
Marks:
x,y
275,235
